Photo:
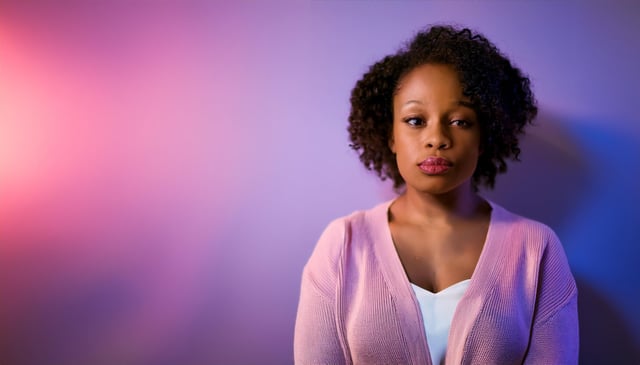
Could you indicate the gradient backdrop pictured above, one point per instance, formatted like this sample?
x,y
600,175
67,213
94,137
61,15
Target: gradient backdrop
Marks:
x,y
166,168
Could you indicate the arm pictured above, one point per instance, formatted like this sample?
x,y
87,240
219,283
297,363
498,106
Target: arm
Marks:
x,y
554,336
316,337
555,340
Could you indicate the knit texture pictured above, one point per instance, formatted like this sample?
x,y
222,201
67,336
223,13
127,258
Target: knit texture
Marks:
x,y
357,306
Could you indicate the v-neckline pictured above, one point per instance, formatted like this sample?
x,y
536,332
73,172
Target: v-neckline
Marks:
x,y
443,292
394,273
397,263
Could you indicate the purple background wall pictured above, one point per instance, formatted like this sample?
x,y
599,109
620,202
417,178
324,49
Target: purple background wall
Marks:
x,y
165,169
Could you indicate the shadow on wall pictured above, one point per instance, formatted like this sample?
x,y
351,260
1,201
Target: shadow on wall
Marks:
x,y
551,184
604,336
550,181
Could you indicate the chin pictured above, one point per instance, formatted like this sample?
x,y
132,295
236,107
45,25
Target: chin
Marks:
x,y
440,188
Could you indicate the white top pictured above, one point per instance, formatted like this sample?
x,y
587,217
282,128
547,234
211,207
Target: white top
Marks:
x,y
437,313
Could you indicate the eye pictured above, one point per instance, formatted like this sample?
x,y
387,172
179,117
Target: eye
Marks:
x,y
461,123
414,121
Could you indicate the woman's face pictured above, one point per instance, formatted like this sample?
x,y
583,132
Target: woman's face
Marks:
x,y
436,136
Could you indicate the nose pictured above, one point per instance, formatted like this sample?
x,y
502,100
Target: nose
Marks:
x,y
437,137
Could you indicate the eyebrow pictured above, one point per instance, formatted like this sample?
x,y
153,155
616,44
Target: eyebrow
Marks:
x,y
468,104
412,102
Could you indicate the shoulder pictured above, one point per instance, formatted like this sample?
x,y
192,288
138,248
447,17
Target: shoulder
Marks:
x,y
340,231
526,230
338,236
540,245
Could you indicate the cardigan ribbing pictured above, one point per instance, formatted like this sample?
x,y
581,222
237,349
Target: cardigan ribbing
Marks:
x,y
357,306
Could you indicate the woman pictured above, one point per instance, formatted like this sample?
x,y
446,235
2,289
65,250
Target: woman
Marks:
x,y
439,274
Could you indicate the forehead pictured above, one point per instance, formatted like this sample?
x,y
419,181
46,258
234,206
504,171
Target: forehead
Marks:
x,y
429,80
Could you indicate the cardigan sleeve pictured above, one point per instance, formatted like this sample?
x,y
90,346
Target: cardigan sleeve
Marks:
x,y
554,336
317,337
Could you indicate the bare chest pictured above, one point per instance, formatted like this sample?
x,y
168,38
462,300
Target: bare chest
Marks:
x,y
435,259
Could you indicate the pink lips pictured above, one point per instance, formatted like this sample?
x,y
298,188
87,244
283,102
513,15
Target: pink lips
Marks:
x,y
435,165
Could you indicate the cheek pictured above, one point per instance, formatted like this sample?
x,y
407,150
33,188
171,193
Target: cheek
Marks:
x,y
402,154
474,144
472,152
405,150
474,158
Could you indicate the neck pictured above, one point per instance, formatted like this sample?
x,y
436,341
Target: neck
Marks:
x,y
459,204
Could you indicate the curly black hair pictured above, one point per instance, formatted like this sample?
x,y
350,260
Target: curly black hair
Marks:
x,y
499,92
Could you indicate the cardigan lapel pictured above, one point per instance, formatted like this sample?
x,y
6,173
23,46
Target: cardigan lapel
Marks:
x,y
407,307
482,282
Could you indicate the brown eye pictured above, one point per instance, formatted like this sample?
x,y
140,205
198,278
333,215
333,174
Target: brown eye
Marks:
x,y
461,123
414,121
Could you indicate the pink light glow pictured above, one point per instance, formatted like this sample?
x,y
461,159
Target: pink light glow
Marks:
x,y
166,167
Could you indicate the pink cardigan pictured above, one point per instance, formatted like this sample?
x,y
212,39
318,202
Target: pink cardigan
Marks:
x,y
357,306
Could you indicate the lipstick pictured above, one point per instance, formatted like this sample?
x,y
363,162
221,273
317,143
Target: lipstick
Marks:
x,y
435,165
